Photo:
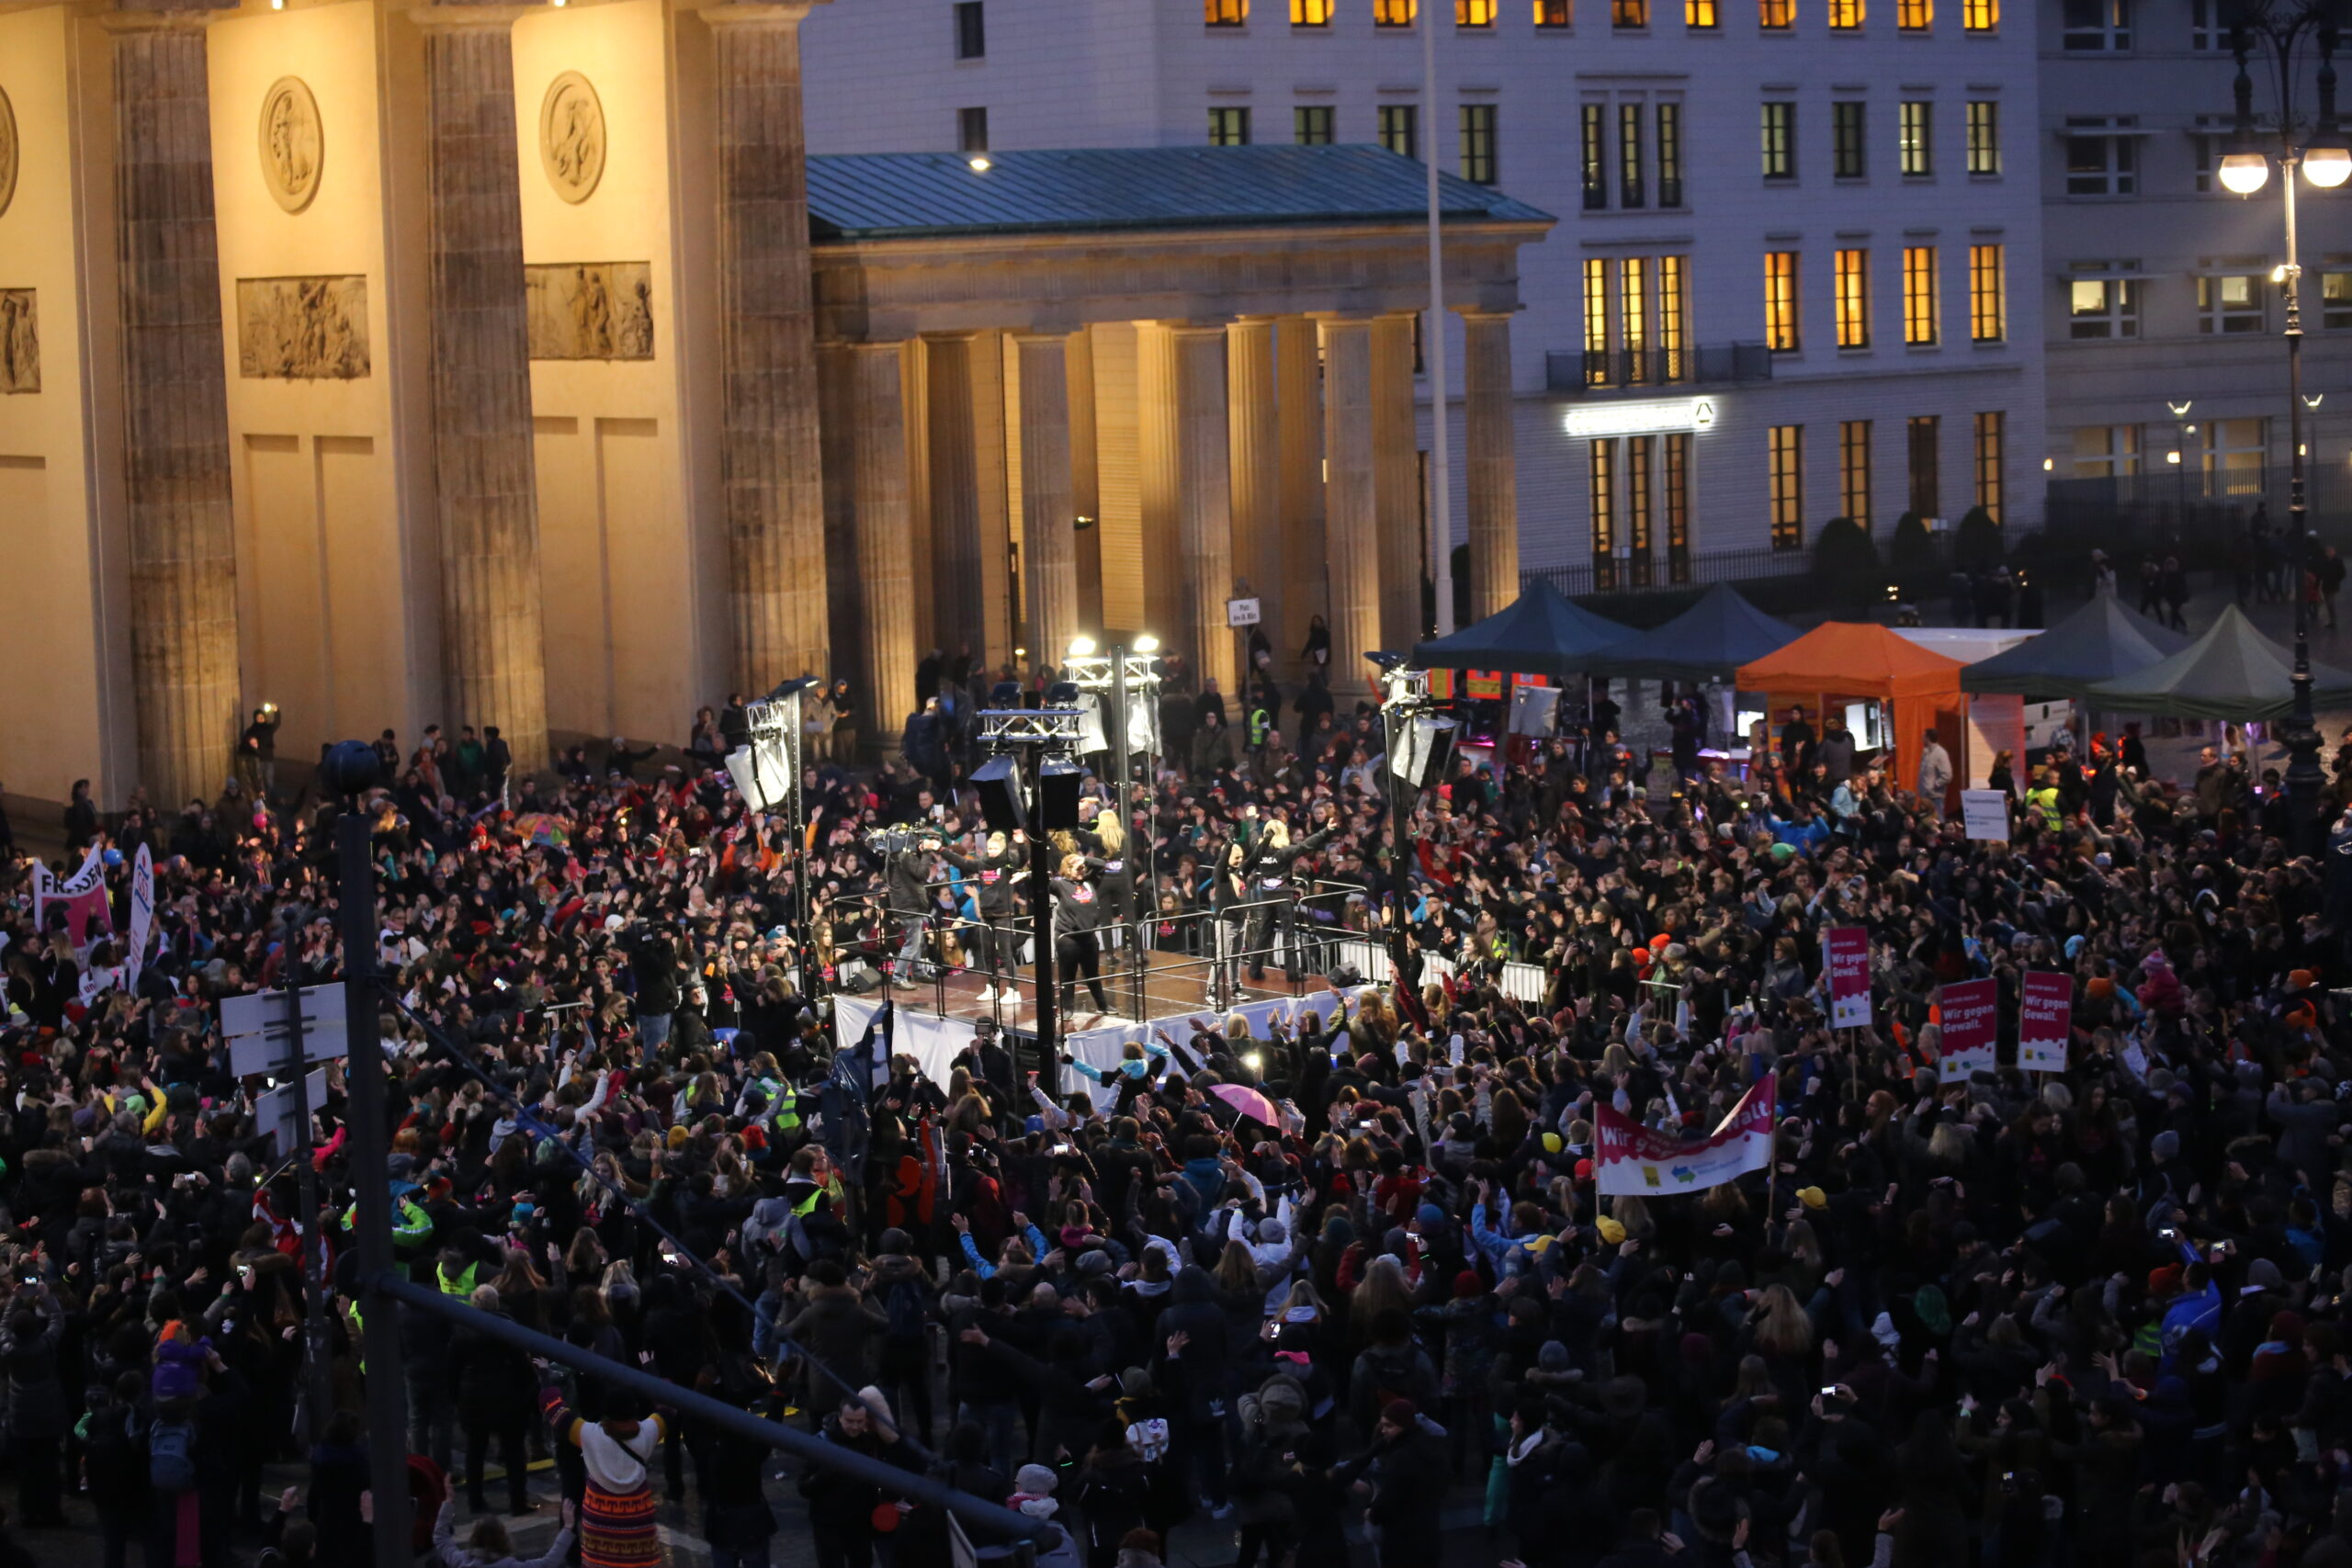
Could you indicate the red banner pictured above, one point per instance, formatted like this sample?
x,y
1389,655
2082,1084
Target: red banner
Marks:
x,y
2045,1021
1969,1011
1846,954
1631,1160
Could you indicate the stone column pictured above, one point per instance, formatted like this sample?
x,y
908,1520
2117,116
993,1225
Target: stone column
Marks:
x,y
1164,604
181,530
1257,477
1049,544
768,454
914,400
1397,482
1298,421
1494,464
1350,529
957,606
485,485
1203,497
884,537
1086,480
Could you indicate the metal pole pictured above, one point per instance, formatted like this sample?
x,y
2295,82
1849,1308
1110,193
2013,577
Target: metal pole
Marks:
x,y
1441,543
318,1389
385,1384
1041,907
1122,771
2303,773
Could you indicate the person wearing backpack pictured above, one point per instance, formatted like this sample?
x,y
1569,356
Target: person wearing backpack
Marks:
x,y
113,1435
902,1369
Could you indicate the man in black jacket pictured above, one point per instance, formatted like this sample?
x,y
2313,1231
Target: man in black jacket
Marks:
x,y
1266,866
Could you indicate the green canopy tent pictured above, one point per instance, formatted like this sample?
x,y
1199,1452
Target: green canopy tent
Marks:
x,y
2102,642
1707,642
1540,633
2230,672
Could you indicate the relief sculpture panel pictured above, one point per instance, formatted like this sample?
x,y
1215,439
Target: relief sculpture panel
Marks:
x,y
9,153
302,329
292,148
590,310
19,341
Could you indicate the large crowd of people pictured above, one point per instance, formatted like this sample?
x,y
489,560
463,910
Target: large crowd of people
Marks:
x,y
2095,1316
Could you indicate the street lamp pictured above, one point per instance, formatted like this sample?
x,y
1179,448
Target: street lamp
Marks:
x,y
2325,161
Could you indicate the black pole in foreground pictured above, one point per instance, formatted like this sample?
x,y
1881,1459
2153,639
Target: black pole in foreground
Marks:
x,y
1041,921
387,1388
997,1520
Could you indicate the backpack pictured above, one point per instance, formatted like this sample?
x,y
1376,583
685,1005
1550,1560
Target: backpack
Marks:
x,y
171,1456
903,1301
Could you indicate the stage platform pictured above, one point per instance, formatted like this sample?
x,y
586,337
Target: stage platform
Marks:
x,y
1174,986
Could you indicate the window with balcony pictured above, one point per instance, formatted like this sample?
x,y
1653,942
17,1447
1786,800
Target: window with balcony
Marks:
x,y
1669,154
1593,152
971,30
1673,329
1779,139
1923,433
1781,325
1481,158
2095,25
1311,124
1631,189
1916,136
1633,319
1854,470
1784,480
2102,308
1228,128
1400,127
2100,165
1596,358
1853,298
2230,302
1988,293
1920,314
1983,136
1849,141
1989,437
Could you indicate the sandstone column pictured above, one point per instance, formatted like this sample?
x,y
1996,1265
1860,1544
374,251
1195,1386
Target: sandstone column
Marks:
x,y
1256,478
1350,528
884,535
1049,543
1164,604
1299,420
485,486
1494,466
1086,479
1397,482
175,418
769,460
915,402
957,608
1203,497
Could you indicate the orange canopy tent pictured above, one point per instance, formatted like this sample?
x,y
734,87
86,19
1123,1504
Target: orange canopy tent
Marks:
x,y
1843,662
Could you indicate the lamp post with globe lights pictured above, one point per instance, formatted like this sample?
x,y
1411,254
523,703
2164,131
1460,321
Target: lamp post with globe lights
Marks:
x,y
2326,161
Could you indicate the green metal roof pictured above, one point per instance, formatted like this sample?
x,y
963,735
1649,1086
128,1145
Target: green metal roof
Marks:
x,y
877,196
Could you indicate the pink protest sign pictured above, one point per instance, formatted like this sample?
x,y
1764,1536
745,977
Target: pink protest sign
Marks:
x,y
2045,1019
1846,954
1968,1010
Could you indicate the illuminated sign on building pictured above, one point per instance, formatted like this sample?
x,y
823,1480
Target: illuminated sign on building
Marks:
x,y
1589,422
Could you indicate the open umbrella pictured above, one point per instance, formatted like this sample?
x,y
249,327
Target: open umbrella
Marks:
x,y
1247,1101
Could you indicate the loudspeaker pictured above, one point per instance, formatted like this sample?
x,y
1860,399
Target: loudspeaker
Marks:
x,y
1346,975
998,780
1422,748
1059,783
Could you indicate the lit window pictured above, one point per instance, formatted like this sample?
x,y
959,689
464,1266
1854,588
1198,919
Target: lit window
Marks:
x,y
1638,449
1780,301
2106,451
1394,13
2100,165
971,30
1673,337
2232,303
1980,15
2096,25
1779,136
1776,15
1669,154
1630,191
1675,492
1596,322
1983,136
1854,470
1478,155
2237,451
1918,138
1853,297
1633,317
1310,125
1988,307
1400,130
1629,13
1225,13
1847,143
1594,155
1474,13
1915,16
1555,13
1604,496
1229,128
1924,433
1310,13
2103,308
1699,13
1920,315
1845,16
1989,437
1785,479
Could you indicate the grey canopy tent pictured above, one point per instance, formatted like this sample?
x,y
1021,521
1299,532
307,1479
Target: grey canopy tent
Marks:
x,y
2102,642
1709,641
2230,672
1542,632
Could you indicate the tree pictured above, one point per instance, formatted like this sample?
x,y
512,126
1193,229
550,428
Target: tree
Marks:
x,y
1843,559
1978,545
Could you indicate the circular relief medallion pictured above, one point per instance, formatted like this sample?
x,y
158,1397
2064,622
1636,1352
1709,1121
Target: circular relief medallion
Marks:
x,y
292,148
7,152
571,137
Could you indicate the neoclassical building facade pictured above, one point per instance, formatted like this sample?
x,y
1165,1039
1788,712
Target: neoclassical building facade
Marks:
x,y
471,364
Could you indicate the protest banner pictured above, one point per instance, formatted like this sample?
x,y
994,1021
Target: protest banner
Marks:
x,y
1631,1160
1846,955
2045,1020
1969,1009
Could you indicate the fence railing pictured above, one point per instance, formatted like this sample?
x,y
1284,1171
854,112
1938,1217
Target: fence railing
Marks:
x,y
1576,371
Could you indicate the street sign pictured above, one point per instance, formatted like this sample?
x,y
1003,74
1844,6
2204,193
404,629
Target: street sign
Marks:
x,y
274,1110
1241,612
257,1025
